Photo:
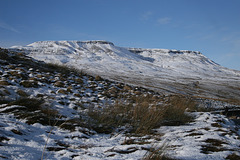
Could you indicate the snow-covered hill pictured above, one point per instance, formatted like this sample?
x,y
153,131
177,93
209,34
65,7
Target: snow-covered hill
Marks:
x,y
54,112
162,70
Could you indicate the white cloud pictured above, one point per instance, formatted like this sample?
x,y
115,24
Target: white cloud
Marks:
x,y
164,20
8,27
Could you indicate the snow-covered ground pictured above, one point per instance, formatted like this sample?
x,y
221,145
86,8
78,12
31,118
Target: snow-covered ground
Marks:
x,y
210,137
164,70
53,129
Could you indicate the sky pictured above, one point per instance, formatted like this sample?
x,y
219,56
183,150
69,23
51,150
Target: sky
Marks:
x,y
209,26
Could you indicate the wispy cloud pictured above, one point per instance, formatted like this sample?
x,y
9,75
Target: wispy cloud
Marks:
x,y
232,55
149,15
164,20
207,37
233,39
230,60
8,27
146,15
232,36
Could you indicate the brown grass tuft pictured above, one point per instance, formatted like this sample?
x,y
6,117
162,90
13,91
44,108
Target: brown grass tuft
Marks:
x,y
141,115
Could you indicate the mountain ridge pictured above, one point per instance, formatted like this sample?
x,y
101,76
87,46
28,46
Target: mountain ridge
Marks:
x,y
181,71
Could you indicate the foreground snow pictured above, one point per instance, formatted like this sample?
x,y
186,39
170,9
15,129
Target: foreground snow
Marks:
x,y
209,137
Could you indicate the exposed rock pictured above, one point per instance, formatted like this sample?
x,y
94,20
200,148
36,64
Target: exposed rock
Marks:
x,y
98,78
59,84
77,95
32,79
4,83
13,73
69,89
62,91
127,88
137,92
4,92
22,93
39,76
79,80
29,83
11,66
23,76
97,42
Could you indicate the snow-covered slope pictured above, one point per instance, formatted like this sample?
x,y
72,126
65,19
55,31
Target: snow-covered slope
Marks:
x,y
166,70
53,112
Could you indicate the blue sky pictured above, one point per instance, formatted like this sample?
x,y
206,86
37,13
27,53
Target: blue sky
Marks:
x,y
209,26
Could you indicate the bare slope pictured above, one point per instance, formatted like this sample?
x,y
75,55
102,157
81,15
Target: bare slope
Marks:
x,y
170,71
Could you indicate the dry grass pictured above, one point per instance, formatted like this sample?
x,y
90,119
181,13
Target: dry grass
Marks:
x,y
158,153
176,107
142,115
63,69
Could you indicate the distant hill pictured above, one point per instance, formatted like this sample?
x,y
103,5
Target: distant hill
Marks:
x,y
163,70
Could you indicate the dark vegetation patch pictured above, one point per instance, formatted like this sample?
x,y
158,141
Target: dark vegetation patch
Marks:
x,y
195,134
4,101
16,132
4,54
2,138
217,125
33,110
62,144
213,145
208,149
126,151
55,148
31,104
233,156
3,157
74,123
215,142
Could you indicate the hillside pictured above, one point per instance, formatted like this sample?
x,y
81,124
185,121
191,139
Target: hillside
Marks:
x,y
163,70
50,111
